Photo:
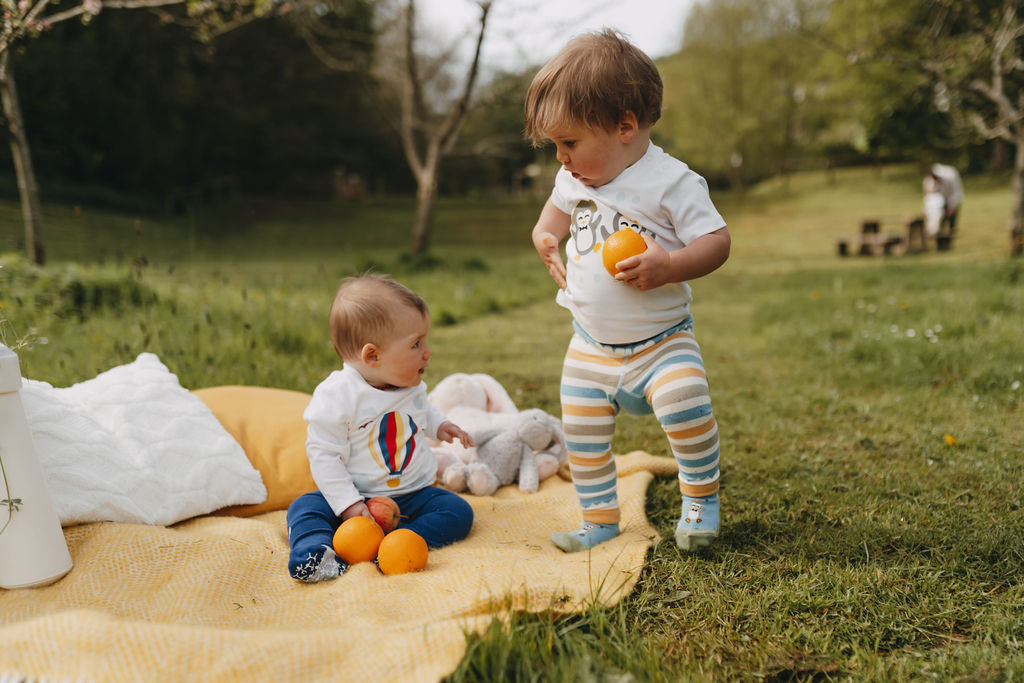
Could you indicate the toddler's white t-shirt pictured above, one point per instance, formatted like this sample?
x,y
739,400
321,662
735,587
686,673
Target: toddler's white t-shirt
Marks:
x,y
659,195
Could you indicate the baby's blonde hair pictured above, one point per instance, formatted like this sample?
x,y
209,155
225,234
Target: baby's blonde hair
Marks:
x,y
594,80
363,312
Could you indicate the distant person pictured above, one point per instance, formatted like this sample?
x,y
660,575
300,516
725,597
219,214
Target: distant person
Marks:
x,y
934,206
952,190
366,423
633,347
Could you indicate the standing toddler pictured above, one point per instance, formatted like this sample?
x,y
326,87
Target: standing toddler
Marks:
x,y
633,347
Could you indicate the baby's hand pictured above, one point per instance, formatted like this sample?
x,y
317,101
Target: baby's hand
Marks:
x,y
547,246
448,431
646,270
358,509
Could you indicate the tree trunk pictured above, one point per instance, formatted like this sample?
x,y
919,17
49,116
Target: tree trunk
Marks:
x,y
426,195
28,190
1017,219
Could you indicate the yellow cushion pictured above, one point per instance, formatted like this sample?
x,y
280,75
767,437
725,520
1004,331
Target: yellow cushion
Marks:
x,y
268,425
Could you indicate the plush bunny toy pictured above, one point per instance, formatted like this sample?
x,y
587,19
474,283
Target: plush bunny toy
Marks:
x,y
510,444
462,396
530,450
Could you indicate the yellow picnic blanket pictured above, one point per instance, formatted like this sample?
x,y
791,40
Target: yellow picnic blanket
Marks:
x,y
210,599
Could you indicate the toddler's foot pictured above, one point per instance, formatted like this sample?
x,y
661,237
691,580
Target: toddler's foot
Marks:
x,y
698,525
319,566
587,536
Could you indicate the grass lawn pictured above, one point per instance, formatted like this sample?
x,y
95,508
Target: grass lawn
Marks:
x,y
870,408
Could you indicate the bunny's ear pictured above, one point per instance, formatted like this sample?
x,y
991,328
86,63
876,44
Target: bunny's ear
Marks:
x,y
498,400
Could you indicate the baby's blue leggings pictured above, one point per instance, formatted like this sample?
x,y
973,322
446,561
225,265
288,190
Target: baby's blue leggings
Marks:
x,y
439,516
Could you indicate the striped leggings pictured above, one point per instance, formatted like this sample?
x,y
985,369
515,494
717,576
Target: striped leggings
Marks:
x,y
663,375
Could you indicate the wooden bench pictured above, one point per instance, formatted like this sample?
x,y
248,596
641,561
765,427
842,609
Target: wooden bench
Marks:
x,y
873,242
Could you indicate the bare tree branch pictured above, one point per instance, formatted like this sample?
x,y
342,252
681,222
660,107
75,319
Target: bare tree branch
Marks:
x,y
325,57
991,132
412,70
453,123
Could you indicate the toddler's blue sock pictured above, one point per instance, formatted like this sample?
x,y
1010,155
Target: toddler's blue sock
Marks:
x,y
587,536
698,525
320,565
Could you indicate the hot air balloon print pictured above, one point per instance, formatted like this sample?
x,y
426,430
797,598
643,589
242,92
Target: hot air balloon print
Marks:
x,y
393,443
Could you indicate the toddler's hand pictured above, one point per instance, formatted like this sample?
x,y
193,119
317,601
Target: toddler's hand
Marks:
x,y
448,431
356,510
646,270
546,245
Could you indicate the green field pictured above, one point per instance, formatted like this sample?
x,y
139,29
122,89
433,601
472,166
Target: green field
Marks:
x,y
869,407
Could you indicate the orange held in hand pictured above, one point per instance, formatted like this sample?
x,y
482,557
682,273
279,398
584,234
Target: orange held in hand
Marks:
x,y
403,550
357,539
385,511
620,246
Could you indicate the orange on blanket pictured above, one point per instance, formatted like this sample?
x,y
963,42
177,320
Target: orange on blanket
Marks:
x,y
357,539
401,551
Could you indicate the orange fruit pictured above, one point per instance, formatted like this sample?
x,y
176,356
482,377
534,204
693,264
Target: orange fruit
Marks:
x,y
403,550
619,246
357,539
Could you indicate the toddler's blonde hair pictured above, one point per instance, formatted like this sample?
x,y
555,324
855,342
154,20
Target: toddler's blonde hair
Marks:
x,y
594,80
363,312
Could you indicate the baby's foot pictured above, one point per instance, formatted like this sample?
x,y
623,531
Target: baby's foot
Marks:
x,y
698,525
454,478
319,567
587,536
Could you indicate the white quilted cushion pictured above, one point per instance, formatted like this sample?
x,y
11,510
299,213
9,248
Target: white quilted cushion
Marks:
x,y
133,445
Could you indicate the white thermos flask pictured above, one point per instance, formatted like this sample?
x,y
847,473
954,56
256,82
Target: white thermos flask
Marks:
x,y
33,551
